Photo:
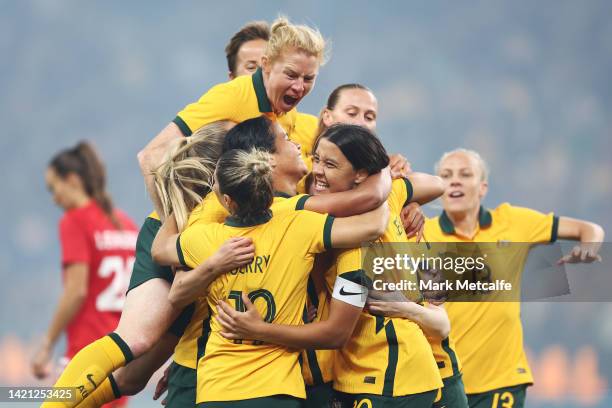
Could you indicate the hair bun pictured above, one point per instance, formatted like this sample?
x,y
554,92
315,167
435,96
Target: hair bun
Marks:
x,y
259,162
279,23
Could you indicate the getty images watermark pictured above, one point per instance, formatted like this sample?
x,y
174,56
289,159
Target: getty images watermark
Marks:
x,y
491,271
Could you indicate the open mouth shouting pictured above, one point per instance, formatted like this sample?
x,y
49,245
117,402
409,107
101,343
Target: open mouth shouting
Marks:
x,y
290,101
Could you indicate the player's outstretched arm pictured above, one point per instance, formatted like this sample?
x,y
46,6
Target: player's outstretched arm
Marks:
x,y
152,156
425,187
350,232
589,234
367,196
327,334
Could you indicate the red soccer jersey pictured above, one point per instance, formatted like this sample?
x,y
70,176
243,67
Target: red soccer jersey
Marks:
x,y
88,236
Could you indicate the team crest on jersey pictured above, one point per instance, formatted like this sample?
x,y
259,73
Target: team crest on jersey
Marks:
x,y
398,226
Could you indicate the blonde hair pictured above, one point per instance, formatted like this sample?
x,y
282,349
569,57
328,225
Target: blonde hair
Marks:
x,y
484,167
284,34
185,178
246,176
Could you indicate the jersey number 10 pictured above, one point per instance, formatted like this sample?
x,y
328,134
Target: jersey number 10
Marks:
x,y
259,293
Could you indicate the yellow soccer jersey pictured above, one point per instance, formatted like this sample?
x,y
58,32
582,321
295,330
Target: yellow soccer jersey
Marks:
x,y
446,358
276,282
317,366
237,100
384,356
305,133
399,197
186,351
209,211
489,335
443,350
306,127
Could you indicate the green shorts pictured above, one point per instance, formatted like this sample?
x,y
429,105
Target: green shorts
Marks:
x,y
318,396
273,401
421,400
453,393
182,383
507,397
146,269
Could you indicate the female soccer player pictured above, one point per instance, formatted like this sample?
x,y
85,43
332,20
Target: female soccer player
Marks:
x,y
288,72
97,243
344,156
355,104
244,50
239,374
489,335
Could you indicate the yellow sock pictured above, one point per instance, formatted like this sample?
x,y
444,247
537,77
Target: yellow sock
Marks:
x,y
91,366
105,393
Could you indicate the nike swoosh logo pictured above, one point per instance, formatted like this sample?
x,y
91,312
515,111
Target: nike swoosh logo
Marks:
x,y
89,377
344,293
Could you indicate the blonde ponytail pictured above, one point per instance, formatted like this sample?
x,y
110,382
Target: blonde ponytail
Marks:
x,y
185,178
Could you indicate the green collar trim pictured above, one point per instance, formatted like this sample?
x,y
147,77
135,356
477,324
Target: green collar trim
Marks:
x,y
260,92
484,220
249,222
281,194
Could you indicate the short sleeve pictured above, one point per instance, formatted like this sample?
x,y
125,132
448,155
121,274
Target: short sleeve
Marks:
x,y
219,103
351,285
196,243
316,229
300,201
348,264
401,193
291,204
73,239
534,225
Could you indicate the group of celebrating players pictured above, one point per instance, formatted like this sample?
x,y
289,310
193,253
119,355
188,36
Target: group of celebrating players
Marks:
x,y
249,270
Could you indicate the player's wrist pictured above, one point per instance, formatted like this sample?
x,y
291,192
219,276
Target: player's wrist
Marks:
x,y
258,330
46,342
215,265
410,310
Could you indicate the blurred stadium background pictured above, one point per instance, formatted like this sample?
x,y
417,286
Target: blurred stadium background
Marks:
x,y
526,83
